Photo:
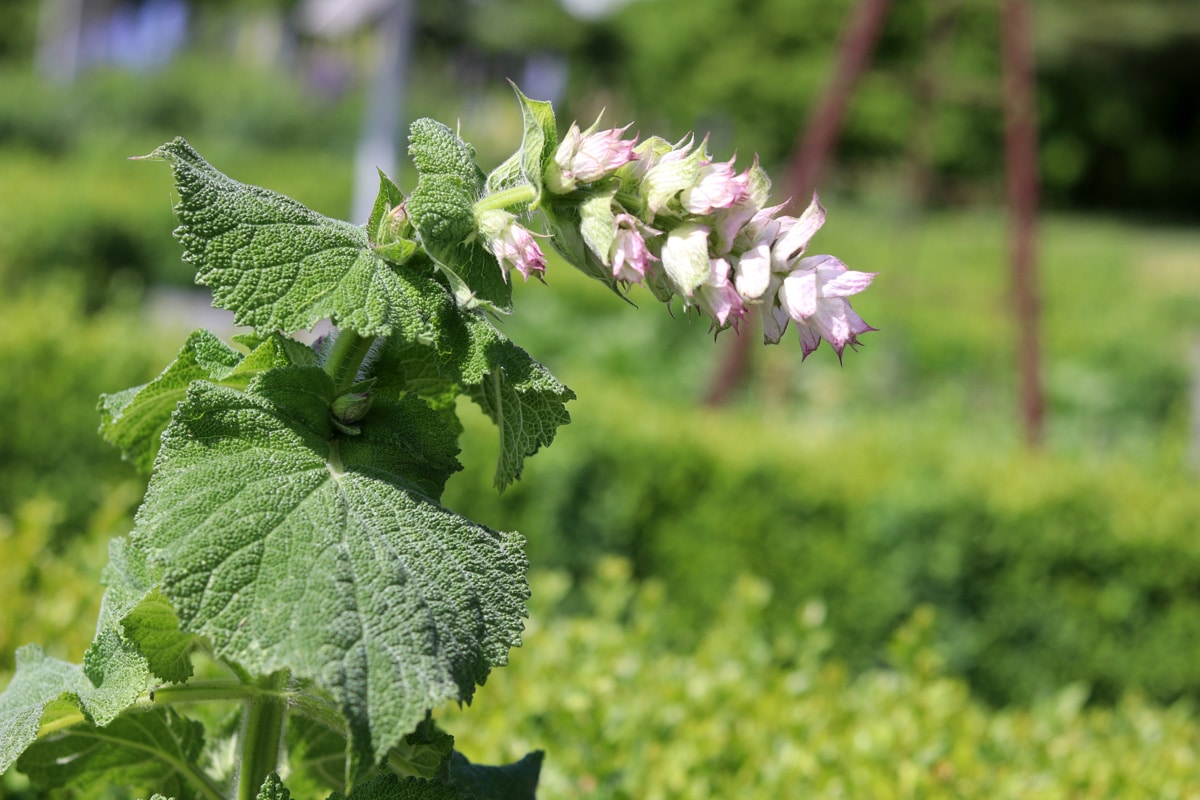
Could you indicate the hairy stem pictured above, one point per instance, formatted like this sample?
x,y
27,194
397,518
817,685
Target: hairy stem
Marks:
x,y
262,732
507,198
206,691
346,355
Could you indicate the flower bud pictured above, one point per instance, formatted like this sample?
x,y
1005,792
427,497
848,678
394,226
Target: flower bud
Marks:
x,y
587,157
629,255
512,244
352,407
716,186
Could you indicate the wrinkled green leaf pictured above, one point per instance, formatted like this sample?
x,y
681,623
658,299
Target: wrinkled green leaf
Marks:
x,y
289,546
437,150
46,691
153,627
516,781
114,663
525,401
134,419
273,789
154,749
521,397
33,694
276,264
393,787
442,209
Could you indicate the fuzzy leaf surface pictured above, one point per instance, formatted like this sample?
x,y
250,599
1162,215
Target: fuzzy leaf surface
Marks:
x,y
34,693
291,546
441,208
525,401
521,397
516,781
115,663
393,787
116,670
276,264
155,749
133,420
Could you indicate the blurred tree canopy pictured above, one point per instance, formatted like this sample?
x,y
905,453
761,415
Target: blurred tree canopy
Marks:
x,y
1119,125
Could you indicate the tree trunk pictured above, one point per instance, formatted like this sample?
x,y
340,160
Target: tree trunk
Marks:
x,y
804,168
1020,151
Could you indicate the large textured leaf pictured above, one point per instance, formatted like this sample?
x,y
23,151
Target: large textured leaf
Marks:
x,y
393,787
526,402
516,781
290,546
276,264
134,419
153,749
116,663
46,693
441,208
39,690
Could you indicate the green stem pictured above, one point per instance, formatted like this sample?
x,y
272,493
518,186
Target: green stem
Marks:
x,y
346,355
507,198
206,691
262,732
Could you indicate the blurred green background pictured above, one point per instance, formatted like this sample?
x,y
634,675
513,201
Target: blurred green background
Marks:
x,y
892,528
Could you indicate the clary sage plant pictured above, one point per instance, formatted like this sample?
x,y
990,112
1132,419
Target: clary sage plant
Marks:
x,y
294,602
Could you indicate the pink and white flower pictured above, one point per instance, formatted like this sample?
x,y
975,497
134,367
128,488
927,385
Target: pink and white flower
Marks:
x,y
716,186
586,157
669,174
813,295
512,244
629,255
718,297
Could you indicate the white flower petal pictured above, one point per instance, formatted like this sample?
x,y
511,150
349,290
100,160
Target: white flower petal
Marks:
x,y
795,240
685,257
833,278
798,295
754,271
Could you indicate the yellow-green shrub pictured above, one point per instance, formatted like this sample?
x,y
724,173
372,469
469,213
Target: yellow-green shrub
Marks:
x,y
1045,570
743,714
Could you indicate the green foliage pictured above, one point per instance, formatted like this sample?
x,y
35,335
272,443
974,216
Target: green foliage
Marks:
x,y
754,72
55,358
292,531
351,538
1044,571
278,265
744,713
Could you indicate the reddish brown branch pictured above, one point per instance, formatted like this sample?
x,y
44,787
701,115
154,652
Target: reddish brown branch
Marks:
x,y
1020,150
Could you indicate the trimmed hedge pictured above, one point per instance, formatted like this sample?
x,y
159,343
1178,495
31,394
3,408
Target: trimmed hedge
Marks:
x,y
743,714
1044,571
